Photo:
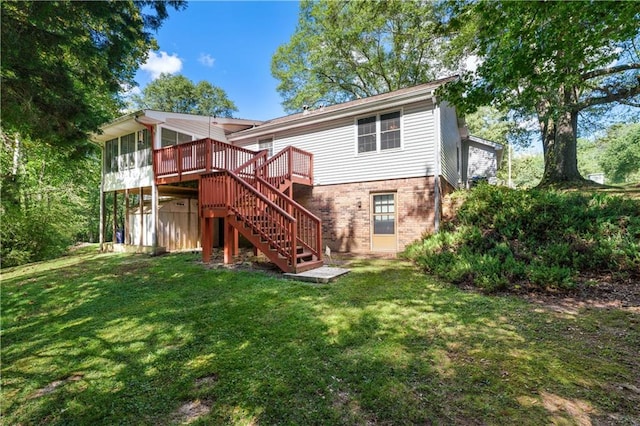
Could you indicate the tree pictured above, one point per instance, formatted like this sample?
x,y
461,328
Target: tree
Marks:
x,y
344,50
553,60
621,158
49,200
63,63
176,93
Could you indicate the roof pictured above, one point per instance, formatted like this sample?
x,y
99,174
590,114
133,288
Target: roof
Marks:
x,y
487,142
136,120
346,108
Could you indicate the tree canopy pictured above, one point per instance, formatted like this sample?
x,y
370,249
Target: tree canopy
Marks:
x,y
344,50
621,158
63,63
176,93
552,60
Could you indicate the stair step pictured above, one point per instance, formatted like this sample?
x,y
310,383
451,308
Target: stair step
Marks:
x,y
307,266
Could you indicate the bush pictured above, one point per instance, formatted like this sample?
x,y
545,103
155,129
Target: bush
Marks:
x,y
501,238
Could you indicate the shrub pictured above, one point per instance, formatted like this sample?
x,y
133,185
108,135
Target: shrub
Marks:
x,y
542,238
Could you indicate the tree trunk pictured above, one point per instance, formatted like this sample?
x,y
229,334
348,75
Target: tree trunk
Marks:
x,y
559,144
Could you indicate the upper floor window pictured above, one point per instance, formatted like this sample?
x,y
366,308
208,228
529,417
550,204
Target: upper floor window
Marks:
x,y
266,144
111,155
379,132
170,137
127,152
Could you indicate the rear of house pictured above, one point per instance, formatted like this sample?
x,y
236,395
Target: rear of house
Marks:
x,y
378,170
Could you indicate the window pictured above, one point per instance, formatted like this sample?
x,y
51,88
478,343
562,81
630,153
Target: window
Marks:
x,y
171,137
390,130
128,151
384,214
379,132
367,134
111,156
144,148
266,144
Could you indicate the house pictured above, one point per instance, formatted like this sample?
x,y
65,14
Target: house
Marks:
x,y
364,176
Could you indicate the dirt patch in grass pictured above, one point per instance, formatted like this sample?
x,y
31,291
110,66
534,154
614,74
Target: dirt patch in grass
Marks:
x,y
603,292
191,411
51,387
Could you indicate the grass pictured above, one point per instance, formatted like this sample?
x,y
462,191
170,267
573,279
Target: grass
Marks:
x,y
128,339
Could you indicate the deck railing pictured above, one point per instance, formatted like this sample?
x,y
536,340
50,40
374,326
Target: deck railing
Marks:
x,y
265,218
309,230
202,156
288,164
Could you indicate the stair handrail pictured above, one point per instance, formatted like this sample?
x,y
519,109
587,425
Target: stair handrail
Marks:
x,y
288,252
285,165
260,156
313,244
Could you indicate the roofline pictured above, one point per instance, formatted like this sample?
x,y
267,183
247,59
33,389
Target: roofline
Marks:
x,y
358,106
153,113
487,142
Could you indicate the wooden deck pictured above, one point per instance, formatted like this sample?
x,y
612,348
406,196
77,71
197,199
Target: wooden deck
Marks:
x,y
252,193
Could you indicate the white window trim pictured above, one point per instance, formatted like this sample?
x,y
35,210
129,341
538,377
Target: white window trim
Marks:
x,y
378,149
273,144
159,130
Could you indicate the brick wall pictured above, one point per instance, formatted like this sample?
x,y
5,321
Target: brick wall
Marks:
x,y
345,211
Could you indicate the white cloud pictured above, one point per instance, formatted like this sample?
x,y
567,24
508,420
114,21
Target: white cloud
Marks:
x,y
161,62
206,59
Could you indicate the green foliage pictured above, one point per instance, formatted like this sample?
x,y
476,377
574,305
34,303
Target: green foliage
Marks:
x,y
504,238
176,93
528,57
621,159
49,203
344,50
551,60
63,63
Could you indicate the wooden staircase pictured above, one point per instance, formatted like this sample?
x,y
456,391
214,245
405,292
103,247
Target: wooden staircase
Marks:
x,y
253,195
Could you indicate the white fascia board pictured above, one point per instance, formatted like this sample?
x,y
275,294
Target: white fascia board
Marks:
x,y
320,117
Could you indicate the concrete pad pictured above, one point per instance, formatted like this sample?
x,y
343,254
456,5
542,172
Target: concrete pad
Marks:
x,y
322,275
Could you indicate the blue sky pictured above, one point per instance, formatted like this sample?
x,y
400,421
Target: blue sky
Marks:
x,y
229,44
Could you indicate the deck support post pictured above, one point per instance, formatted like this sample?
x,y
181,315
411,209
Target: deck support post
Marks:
x,y
206,238
102,218
230,241
141,209
126,240
115,217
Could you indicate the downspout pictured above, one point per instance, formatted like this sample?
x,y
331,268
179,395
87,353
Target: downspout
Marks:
x,y
438,167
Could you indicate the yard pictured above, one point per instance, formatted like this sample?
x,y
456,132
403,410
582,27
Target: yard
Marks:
x,y
128,339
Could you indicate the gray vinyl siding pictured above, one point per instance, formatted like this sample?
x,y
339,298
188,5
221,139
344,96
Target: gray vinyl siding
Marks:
x,y
450,140
482,161
336,160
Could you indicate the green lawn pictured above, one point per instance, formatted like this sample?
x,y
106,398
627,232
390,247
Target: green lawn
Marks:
x,y
128,339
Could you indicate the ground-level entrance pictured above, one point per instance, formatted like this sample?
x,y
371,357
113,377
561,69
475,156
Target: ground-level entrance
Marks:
x,y
383,218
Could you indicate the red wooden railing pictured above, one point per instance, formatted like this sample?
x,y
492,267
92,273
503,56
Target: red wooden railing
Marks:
x,y
265,218
248,187
309,230
204,156
287,165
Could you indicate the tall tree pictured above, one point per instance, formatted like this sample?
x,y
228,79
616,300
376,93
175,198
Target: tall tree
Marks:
x,y
343,50
553,60
621,158
63,63
176,93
